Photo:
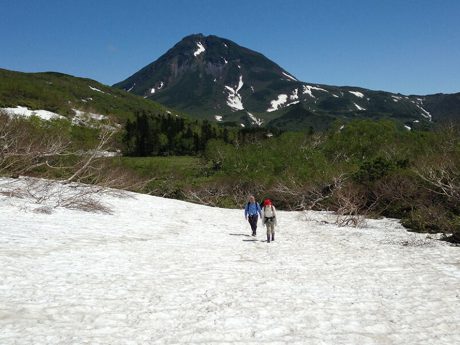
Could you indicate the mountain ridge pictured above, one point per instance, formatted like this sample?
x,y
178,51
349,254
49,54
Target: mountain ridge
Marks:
x,y
215,78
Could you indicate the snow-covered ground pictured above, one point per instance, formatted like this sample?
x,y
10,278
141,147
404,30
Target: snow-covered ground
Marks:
x,y
26,112
161,271
234,99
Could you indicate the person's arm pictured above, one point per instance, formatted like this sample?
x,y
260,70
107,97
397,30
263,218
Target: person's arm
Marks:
x,y
246,211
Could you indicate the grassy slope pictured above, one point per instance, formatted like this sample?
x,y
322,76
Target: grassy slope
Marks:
x,y
61,93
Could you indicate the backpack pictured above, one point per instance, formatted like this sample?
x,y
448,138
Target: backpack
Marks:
x,y
268,212
247,206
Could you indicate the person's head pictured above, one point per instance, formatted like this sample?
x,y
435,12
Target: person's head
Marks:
x,y
267,202
251,198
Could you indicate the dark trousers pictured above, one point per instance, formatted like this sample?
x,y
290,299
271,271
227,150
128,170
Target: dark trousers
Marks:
x,y
253,222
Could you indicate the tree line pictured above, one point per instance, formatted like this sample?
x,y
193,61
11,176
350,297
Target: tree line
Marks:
x,y
151,134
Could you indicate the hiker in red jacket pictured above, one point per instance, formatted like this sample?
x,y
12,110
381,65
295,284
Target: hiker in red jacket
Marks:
x,y
269,219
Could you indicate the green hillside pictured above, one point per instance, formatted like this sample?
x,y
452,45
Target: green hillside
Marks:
x,y
60,93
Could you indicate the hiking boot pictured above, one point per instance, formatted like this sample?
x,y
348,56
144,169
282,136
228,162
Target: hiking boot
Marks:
x,y
268,238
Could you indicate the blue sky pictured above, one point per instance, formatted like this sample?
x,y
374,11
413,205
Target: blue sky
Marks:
x,y
406,46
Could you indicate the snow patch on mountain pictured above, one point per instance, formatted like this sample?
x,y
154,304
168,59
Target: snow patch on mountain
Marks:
x,y
26,112
200,49
161,85
85,118
225,60
358,107
396,99
152,90
240,83
95,89
294,95
357,94
307,90
419,104
425,113
277,103
254,120
218,118
292,103
407,127
234,99
132,87
289,76
93,116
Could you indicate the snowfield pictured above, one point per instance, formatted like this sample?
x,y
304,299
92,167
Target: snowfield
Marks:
x,y
162,271
26,112
200,49
234,99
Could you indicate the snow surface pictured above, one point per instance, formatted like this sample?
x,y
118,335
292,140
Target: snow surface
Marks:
x,y
291,103
357,94
277,103
234,99
132,87
26,112
419,104
425,113
307,90
358,107
96,89
254,119
289,76
294,95
218,118
199,50
282,99
162,271
83,118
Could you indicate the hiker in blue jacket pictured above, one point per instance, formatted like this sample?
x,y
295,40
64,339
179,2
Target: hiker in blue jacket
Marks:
x,y
251,212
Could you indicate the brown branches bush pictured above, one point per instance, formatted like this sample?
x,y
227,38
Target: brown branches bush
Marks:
x,y
26,146
442,176
23,149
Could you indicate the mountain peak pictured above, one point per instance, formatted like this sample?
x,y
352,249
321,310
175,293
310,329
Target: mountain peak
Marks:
x,y
215,78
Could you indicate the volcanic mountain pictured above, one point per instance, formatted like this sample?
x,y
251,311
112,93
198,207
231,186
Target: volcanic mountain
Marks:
x,y
215,78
